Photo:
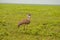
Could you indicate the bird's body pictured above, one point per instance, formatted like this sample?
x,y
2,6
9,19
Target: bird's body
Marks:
x,y
24,21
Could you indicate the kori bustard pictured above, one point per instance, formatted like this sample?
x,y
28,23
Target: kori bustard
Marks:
x,y
25,21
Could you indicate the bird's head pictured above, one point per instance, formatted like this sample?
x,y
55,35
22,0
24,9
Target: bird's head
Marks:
x,y
29,16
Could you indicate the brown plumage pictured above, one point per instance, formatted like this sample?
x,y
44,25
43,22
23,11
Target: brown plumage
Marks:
x,y
25,21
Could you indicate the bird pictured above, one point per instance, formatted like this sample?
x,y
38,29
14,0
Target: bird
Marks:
x,y
25,21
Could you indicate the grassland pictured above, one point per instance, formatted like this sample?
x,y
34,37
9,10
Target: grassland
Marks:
x,y
45,22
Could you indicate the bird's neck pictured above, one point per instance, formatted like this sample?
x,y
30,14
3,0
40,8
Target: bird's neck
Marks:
x,y
28,18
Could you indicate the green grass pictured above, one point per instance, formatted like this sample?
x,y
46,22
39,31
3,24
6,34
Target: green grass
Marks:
x,y
45,22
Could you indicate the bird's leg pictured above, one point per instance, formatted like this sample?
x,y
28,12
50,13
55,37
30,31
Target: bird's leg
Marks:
x,y
24,27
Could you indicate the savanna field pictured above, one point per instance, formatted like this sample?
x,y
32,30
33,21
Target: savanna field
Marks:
x,y
45,22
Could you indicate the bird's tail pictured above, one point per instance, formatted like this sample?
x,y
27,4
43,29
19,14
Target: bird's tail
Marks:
x,y
18,25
